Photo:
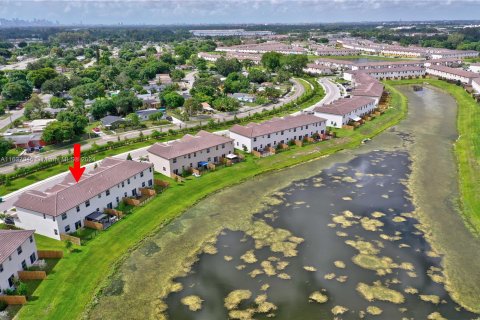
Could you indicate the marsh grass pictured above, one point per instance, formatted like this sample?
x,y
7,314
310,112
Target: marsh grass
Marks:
x,y
377,291
193,302
318,297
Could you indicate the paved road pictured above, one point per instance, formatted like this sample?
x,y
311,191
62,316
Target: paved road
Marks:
x,y
14,114
332,93
136,153
22,65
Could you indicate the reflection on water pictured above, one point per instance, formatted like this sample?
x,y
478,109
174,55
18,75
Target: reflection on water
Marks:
x,y
370,189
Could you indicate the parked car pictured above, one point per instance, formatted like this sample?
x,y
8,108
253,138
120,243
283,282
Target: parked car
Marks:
x,y
169,118
9,220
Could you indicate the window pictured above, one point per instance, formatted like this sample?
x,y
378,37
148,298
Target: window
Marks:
x,y
223,146
24,265
78,208
164,169
55,231
67,228
128,181
150,169
194,154
208,150
33,257
64,216
53,218
31,239
174,160
125,194
143,184
87,203
99,195
254,139
107,192
1,267
44,216
19,250
123,184
150,182
141,174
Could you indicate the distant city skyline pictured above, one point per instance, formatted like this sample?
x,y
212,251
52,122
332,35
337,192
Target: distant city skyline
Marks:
x,y
168,12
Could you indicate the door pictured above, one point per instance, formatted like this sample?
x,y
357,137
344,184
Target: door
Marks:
x,y
78,225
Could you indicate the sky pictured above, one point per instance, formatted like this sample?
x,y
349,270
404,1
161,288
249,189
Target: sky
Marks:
x,y
161,12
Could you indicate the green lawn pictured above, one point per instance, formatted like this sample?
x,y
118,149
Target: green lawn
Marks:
x,y
467,148
80,275
314,57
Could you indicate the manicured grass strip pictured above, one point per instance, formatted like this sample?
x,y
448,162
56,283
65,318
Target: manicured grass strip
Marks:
x,y
467,148
78,277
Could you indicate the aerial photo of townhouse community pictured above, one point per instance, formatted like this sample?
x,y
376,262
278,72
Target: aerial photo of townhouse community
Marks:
x,y
251,160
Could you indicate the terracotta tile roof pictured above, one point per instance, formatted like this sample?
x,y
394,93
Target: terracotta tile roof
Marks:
x,y
69,194
10,240
344,106
275,125
370,89
187,144
454,71
391,63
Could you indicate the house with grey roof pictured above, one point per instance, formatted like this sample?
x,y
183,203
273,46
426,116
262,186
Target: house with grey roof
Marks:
x,y
111,121
260,136
146,113
189,152
64,207
18,251
243,97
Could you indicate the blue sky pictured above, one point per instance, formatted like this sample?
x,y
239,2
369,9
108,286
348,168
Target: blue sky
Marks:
x,y
239,11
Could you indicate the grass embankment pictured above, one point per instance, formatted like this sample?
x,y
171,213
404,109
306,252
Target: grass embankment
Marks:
x,y
467,148
19,183
78,276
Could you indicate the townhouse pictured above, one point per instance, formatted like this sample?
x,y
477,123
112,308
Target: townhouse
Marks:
x,y
387,64
342,111
18,251
474,67
261,136
365,85
332,51
175,157
261,48
335,63
64,207
449,62
476,85
388,73
446,53
454,74
208,56
313,68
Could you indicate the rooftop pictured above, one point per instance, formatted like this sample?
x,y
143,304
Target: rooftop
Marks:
x,y
68,194
187,144
454,71
11,240
275,125
344,106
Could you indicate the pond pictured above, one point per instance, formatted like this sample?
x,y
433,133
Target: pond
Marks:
x,y
363,232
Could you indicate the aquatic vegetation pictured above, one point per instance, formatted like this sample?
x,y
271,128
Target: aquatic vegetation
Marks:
x,y
329,276
364,247
296,240
435,275
342,279
339,310
317,296
227,258
412,274
406,266
399,219
281,265
382,265
310,268
234,298
193,302
374,311
176,287
241,314
255,272
390,238
377,291
210,249
249,257
347,198
341,234
240,267
377,214
410,290
284,276
430,298
268,268
339,264
343,221
265,287
349,179
263,306
435,316
371,224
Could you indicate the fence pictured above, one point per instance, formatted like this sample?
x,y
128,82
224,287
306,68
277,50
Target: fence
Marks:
x,y
72,239
147,192
114,212
93,225
161,183
13,299
131,201
299,143
32,275
50,254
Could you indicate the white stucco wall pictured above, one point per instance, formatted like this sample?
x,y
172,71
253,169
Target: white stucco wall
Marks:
x,y
13,264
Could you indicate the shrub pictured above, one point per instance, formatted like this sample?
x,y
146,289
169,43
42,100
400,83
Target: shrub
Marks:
x,y
3,305
22,289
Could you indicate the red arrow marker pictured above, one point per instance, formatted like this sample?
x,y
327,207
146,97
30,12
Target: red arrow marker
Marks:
x,y
76,170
